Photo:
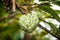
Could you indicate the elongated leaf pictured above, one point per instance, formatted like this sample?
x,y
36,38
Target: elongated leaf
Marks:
x,y
57,11
44,0
47,0
51,11
53,27
20,1
24,1
1,8
59,28
57,3
19,35
43,33
59,31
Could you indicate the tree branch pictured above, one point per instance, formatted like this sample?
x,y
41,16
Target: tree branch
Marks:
x,y
13,5
9,16
46,30
21,8
23,11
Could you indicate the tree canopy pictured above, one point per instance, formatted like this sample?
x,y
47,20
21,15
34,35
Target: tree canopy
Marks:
x,y
24,19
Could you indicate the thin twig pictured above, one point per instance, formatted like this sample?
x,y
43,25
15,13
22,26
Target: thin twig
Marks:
x,y
13,5
23,10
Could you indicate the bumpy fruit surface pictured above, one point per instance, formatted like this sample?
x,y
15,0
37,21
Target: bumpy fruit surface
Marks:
x,y
29,22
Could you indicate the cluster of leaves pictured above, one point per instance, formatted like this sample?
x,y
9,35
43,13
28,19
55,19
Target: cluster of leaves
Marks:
x,y
9,27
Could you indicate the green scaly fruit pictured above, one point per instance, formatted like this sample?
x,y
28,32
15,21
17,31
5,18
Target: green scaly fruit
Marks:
x,y
29,22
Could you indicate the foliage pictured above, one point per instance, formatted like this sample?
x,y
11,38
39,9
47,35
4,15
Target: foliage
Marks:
x,y
14,25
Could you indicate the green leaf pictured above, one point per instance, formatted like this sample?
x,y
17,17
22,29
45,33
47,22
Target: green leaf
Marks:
x,y
41,14
57,3
57,11
59,28
47,8
19,35
24,1
44,0
43,33
53,27
47,0
20,1
1,9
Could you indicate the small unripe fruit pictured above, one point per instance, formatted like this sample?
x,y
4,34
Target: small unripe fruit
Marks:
x,y
29,22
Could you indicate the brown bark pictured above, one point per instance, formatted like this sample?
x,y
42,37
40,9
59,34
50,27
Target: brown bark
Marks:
x,y
27,36
13,5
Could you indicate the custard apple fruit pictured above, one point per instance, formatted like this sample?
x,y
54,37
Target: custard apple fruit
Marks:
x,y
29,22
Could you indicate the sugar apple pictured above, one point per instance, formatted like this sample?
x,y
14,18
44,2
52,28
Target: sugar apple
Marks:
x,y
29,22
